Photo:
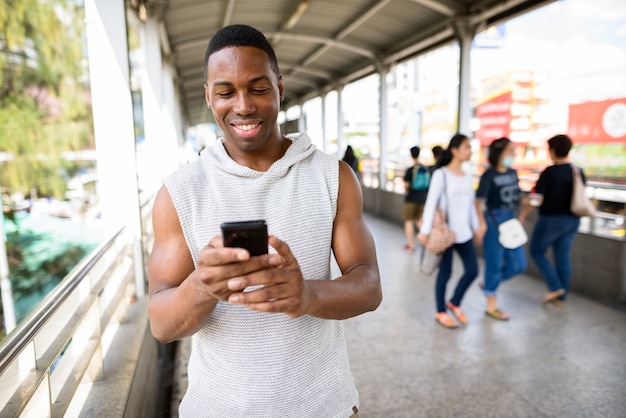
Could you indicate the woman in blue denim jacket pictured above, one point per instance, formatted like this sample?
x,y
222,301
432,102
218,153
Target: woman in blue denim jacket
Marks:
x,y
497,200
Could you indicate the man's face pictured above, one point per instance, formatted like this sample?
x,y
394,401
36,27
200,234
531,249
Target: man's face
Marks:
x,y
244,94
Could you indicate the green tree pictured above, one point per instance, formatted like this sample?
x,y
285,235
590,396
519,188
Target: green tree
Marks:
x,y
43,97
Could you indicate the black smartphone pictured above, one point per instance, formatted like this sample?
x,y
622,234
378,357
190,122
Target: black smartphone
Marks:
x,y
251,235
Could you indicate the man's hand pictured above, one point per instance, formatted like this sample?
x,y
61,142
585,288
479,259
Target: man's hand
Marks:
x,y
423,239
284,289
218,264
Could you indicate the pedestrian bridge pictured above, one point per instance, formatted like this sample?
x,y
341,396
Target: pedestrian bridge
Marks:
x,y
87,351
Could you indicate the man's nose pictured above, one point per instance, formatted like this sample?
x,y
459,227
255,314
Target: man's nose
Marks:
x,y
244,104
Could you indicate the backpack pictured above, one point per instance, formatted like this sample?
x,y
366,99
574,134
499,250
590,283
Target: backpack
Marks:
x,y
421,178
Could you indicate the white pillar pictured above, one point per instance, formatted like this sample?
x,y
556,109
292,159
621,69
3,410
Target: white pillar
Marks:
x,y
382,111
8,308
324,133
159,125
113,122
301,120
340,137
465,35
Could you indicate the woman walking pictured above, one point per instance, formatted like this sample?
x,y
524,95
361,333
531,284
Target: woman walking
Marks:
x,y
451,190
497,199
557,225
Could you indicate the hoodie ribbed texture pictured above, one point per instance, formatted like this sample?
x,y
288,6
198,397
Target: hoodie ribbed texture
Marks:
x,y
251,364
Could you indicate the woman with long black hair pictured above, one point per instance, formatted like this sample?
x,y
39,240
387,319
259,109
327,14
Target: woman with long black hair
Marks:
x,y
497,200
451,189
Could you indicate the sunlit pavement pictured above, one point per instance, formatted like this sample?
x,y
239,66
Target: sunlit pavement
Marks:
x,y
547,361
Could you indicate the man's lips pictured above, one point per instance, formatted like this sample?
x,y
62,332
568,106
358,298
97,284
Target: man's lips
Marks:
x,y
247,129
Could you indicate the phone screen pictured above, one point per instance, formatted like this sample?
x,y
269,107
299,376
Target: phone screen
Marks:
x,y
251,235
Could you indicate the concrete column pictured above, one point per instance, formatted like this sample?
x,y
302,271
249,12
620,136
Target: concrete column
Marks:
x,y
301,119
159,125
465,35
340,137
8,308
113,122
324,133
382,159
382,109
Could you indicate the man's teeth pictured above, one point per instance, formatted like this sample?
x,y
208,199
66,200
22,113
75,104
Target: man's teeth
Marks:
x,y
247,127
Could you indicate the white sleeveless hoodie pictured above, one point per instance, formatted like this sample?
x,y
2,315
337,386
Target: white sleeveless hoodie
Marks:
x,y
252,364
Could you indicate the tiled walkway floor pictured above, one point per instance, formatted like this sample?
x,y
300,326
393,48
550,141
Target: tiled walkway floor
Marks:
x,y
547,361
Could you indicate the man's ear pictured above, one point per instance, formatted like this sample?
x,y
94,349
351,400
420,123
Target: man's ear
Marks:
x,y
206,96
281,88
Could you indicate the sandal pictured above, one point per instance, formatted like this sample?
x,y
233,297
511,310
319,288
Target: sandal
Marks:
x,y
498,314
558,302
550,296
458,313
446,320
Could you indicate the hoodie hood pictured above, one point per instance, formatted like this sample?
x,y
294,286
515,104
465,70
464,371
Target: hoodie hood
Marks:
x,y
299,149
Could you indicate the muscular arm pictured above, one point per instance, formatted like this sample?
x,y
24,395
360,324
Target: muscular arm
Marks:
x,y
358,290
183,297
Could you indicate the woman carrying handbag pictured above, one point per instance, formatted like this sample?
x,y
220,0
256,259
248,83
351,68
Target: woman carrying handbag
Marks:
x,y
497,200
557,225
451,188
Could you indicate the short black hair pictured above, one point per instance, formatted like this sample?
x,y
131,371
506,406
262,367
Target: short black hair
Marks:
x,y
415,152
239,35
561,145
437,151
496,148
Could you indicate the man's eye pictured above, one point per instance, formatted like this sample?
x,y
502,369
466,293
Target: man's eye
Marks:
x,y
260,91
224,94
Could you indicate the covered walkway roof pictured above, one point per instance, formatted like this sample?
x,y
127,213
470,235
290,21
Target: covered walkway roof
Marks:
x,y
321,44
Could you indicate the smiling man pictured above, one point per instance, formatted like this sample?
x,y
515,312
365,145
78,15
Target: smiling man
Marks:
x,y
268,338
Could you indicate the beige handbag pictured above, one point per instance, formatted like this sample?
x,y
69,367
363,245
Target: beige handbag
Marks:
x,y
581,205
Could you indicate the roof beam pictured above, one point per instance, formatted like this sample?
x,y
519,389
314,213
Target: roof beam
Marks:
x,y
228,16
360,19
330,42
437,6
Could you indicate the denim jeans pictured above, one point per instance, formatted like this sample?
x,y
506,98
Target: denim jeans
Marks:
x,y
468,255
500,263
558,232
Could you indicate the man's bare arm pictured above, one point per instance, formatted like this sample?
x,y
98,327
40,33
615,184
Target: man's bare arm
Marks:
x,y
182,298
358,290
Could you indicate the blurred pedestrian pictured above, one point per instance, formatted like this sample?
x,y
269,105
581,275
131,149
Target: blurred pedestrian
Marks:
x,y
452,189
437,150
351,159
497,200
557,225
416,181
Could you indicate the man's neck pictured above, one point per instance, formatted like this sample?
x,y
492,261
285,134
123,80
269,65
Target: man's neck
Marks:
x,y
261,159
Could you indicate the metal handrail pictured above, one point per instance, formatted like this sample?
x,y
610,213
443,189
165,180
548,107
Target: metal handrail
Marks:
x,y
27,330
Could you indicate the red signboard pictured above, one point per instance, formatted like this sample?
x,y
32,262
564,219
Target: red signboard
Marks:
x,y
598,122
495,118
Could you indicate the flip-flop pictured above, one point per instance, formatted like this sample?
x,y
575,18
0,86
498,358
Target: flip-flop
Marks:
x,y
550,296
458,313
498,314
446,320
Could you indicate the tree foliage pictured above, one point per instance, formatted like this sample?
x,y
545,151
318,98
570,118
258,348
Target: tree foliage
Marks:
x,y
44,107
